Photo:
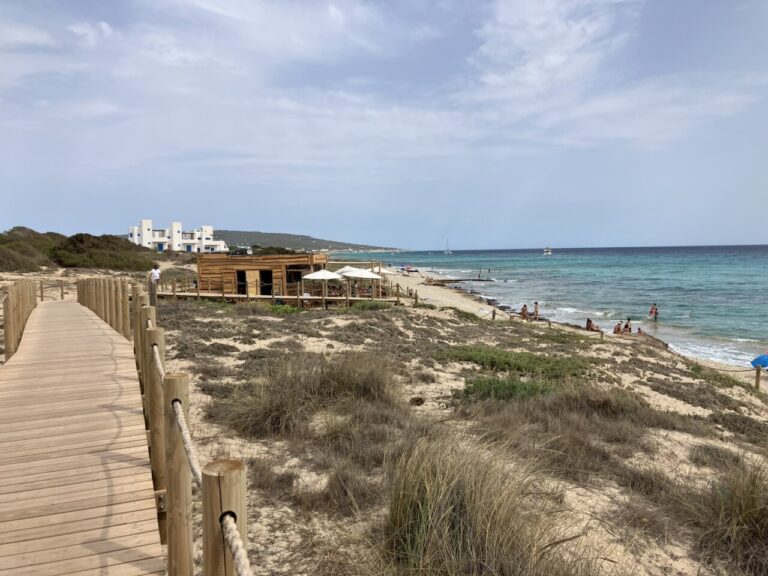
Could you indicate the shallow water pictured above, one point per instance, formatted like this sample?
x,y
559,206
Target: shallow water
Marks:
x,y
713,301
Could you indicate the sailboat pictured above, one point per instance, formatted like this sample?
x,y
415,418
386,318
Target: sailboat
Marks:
x,y
547,251
447,250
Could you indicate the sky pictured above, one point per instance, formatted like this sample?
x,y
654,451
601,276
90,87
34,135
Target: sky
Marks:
x,y
407,123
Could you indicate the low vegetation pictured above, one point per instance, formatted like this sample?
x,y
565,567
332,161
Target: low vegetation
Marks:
x,y
378,460
456,511
24,250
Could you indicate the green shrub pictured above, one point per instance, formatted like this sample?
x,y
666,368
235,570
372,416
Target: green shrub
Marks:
x,y
523,363
111,252
364,305
493,388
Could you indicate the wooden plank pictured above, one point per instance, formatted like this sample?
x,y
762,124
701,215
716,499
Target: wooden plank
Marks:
x,y
97,501
113,519
72,476
9,531
68,462
62,491
76,492
65,546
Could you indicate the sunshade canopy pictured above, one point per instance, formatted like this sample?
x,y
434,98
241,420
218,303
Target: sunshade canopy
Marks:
x,y
323,275
360,273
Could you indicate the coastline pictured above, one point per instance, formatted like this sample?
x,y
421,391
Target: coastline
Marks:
x,y
460,298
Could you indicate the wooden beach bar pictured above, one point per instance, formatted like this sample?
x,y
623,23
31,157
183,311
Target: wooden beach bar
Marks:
x,y
256,275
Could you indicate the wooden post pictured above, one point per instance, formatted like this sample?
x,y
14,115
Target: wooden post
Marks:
x,y
154,391
197,288
493,314
223,493
349,289
173,285
416,298
115,310
42,294
209,284
325,293
223,292
139,329
9,329
758,370
397,294
179,480
61,285
118,298
125,312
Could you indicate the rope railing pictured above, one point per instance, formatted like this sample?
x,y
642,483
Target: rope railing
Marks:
x,y
176,466
235,545
189,447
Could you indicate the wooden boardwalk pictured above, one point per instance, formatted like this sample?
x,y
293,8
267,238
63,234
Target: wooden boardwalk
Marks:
x,y
76,492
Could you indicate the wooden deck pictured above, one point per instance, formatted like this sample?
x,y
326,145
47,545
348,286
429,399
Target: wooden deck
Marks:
x,y
76,492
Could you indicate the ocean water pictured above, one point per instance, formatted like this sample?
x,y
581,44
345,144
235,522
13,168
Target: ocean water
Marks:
x,y
713,301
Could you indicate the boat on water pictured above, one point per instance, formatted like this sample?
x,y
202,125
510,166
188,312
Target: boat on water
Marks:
x,y
447,250
547,251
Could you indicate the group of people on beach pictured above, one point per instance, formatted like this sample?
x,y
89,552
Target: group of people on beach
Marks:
x,y
625,327
526,315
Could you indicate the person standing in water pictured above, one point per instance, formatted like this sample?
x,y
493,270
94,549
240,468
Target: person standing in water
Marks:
x,y
536,311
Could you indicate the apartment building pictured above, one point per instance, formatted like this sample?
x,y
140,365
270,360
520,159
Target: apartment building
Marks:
x,y
175,238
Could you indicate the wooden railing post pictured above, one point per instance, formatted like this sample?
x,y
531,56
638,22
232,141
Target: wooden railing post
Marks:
x,y
61,285
42,294
173,285
223,492
758,370
125,311
153,387
9,328
114,305
397,294
178,480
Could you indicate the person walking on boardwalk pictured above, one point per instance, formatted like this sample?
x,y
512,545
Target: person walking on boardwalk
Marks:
x,y
154,281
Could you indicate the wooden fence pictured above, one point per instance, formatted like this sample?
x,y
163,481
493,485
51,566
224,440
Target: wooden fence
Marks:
x,y
173,456
20,299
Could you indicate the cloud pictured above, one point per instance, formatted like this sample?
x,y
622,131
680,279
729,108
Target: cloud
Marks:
x,y
91,35
14,34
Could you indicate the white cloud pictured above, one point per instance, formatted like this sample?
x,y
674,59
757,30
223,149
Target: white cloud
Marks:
x,y
19,35
91,35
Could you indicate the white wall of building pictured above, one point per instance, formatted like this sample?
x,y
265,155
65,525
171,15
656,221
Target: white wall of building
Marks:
x,y
175,238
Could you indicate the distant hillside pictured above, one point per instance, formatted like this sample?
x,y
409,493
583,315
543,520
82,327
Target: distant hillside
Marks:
x,y
292,241
25,250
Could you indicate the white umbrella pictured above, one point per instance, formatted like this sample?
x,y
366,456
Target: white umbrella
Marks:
x,y
345,269
323,275
360,273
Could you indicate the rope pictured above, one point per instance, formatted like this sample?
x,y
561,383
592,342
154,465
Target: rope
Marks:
x,y
727,370
189,447
235,544
158,362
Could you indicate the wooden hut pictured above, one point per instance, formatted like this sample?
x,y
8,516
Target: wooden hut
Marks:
x,y
262,275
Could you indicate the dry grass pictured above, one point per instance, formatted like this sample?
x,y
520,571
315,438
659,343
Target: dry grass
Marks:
x,y
454,511
727,519
298,386
581,428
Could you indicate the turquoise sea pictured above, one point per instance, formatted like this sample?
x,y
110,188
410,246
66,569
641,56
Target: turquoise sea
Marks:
x,y
713,300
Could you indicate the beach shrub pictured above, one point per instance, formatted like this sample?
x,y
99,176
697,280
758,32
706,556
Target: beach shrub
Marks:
x,y
365,305
24,250
110,252
425,306
523,363
494,388
457,511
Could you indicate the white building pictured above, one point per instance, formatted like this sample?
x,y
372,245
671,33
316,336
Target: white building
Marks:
x,y
174,238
